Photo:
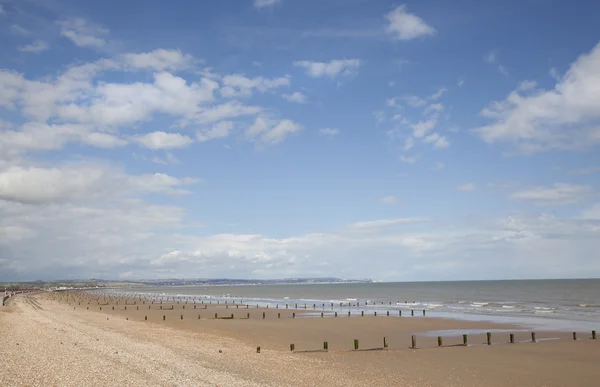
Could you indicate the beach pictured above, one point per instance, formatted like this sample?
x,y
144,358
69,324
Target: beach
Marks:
x,y
60,339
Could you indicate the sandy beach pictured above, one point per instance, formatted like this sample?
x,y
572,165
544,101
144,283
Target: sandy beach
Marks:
x,y
47,342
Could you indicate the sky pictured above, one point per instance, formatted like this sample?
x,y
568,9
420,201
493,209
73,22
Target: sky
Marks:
x,y
397,141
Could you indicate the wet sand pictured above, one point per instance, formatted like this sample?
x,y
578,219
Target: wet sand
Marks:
x,y
195,343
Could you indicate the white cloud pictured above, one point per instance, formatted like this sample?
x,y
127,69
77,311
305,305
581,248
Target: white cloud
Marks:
x,y
228,110
434,108
30,184
219,130
527,85
16,29
406,26
438,94
83,33
388,200
409,143
296,96
266,3
162,140
460,82
375,224
238,85
122,104
565,117
159,60
2,11
103,140
408,159
421,128
36,47
379,116
592,213
557,194
329,132
554,74
267,131
466,187
414,101
438,141
332,69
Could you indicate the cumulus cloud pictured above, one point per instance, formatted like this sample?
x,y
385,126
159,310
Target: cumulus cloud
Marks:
x,y
331,69
267,131
35,48
159,60
83,33
565,117
296,96
32,184
163,140
219,130
406,26
238,85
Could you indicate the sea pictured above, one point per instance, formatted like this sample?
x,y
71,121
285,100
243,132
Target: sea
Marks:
x,y
553,305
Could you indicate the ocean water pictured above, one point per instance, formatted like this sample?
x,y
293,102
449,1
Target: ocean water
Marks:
x,y
545,304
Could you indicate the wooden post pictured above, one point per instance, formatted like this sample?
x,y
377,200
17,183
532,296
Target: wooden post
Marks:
x,y
414,342
512,338
145,318
388,313
216,316
164,317
325,346
247,315
593,335
412,312
465,340
439,341
294,315
400,313
385,343
362,312
263,315
198,316
533,337
489,338
348,313
574,335
182,317
355,344
292,347
257,349
232,316
423,312
278,315
335,314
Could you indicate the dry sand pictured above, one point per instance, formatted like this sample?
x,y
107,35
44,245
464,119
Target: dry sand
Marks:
x,y
74,343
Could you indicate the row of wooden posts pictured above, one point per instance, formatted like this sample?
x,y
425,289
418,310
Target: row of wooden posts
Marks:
x,y
264,315
362,313
439,341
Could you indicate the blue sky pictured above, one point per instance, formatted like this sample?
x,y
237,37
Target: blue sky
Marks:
x,y
275,138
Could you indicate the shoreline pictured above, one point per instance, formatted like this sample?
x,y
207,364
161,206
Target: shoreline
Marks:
x,y
91,347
